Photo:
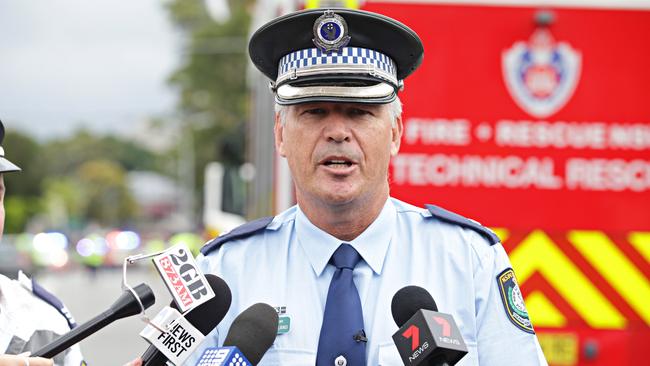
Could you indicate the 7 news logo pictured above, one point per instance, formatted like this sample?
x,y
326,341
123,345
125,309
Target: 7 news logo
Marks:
x,y
445,334
413,333
442,334
429,335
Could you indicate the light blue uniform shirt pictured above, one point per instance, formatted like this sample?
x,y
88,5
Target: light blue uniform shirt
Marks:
x,y
286,265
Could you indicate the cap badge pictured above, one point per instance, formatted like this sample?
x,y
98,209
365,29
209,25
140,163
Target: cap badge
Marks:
x,y
330,32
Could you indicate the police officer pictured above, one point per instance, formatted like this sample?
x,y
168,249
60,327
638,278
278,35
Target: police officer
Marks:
x,y
30,317
332,263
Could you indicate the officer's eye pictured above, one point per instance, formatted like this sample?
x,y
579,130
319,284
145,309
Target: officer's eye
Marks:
x,y
314,111
359,112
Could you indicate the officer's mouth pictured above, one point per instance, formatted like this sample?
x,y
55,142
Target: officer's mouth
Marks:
x,y
338,164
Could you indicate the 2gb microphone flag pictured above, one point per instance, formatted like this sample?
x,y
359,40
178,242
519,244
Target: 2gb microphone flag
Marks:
x,y
183,279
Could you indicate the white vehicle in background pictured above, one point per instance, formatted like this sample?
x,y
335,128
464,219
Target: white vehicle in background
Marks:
x,y
215,220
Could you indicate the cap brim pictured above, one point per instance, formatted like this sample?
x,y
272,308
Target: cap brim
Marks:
x,y
7,166
380,93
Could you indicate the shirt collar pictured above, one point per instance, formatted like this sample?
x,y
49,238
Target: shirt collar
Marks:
x,y
372,244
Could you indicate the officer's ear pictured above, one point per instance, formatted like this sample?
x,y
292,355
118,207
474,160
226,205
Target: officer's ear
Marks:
x,y
397,128
278,129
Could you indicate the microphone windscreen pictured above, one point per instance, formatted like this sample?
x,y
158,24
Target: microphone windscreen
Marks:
x,y
127,305
145,294
253,331
408,300
206,316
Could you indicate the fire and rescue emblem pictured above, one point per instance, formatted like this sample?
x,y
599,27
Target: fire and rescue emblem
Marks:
x,y
541,74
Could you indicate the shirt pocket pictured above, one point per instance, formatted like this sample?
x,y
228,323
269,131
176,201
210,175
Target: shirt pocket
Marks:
x,y
288,357
388,355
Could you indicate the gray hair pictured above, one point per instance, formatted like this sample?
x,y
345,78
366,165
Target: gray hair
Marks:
x,y
395,110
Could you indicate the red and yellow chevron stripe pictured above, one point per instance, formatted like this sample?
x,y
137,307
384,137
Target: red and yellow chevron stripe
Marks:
x,y
587,292
582,278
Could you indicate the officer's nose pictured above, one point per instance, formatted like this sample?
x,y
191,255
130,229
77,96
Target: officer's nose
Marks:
x,y
337,130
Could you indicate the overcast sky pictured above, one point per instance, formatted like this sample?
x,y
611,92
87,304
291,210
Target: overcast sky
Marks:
x,y
101,64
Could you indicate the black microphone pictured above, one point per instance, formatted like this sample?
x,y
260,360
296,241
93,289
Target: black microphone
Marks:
x,y
126,305
408,300
253,331
204,317
425,337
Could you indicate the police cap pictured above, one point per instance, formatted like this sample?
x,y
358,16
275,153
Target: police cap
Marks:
x,y
335,55
5,165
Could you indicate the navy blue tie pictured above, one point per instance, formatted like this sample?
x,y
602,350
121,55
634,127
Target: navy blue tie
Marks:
x,y
342,338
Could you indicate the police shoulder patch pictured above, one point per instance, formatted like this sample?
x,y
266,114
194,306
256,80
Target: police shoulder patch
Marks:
x,y
454,218
513,301
240,232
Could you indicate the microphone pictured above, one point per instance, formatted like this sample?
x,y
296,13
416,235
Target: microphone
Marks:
x,y
204,317
425,337
126,305
251,334
408,300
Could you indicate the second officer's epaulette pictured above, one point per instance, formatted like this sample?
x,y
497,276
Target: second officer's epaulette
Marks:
x,y
40,292
240,232
453,218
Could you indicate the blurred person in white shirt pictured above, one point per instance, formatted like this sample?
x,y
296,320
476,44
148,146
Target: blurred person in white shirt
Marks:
x,y
30,317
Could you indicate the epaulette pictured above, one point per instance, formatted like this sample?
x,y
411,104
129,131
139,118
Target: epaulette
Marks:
x,y
46,296
457,219
240,232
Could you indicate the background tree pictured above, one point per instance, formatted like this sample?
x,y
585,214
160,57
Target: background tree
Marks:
x,y
24,188
70,181
213,109
96,192
107,198
212,84
63,156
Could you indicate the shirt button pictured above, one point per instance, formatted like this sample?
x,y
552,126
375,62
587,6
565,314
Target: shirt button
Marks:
x,y
340,361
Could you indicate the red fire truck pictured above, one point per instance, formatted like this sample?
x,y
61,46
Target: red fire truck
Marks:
x,y
533,117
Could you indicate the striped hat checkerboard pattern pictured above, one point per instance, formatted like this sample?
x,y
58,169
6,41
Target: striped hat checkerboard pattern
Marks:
x,y
355,56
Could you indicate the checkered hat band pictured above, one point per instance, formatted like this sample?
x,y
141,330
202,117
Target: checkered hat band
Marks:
x,y
347,56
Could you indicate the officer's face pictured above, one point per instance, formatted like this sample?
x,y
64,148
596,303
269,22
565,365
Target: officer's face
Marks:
x,y
338,152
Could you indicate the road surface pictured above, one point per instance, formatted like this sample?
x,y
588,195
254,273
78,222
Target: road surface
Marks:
x,y
87,295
